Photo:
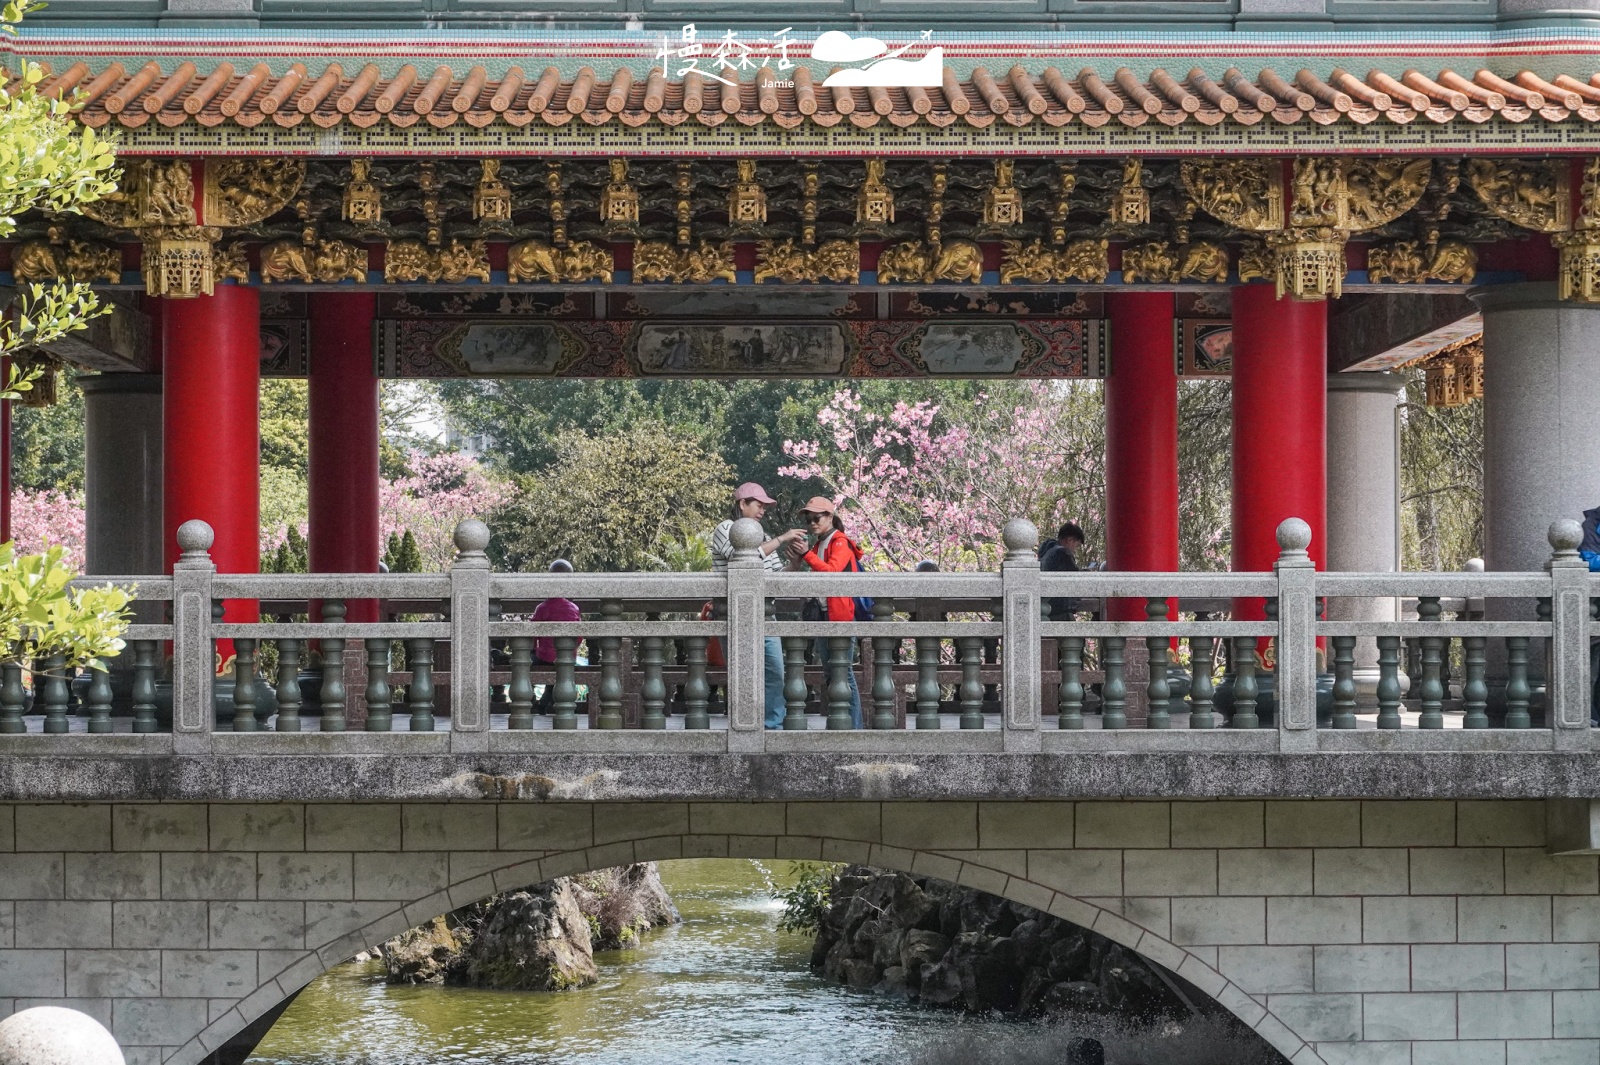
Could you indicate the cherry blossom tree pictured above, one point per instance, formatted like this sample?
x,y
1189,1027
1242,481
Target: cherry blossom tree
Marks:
x,y
437,494
916,482
48,517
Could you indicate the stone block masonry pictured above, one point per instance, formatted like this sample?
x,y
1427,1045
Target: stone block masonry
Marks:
x,y
1344,932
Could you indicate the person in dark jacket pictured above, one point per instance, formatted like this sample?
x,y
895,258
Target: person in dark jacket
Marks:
x,y
1061,556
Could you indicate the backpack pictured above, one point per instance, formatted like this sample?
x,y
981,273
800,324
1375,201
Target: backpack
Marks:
x,y
864,603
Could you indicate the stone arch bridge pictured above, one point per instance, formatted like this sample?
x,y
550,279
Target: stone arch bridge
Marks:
x,y
1343,931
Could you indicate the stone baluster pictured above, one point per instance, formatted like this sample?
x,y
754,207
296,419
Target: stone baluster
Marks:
x,y
380,698
1245,688
97,701
652,689
1296,667
1569,691
1430,699
13,700
971,691
193,653
1388,682
564,697
519,692
884,652
332,669
470,582
794,683
696,692
1114,689
1518,691
419,693
1069,702
244,685
927,690
1021,668
288,685
145,665
610,669
1158,692
1344,681
1413,647
1201,688
839,667
1474,685
52,694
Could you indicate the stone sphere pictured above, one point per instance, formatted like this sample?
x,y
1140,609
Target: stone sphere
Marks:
x,y
746,535
471,537
195,535
1294,535
1565,535
51,1035
1020,536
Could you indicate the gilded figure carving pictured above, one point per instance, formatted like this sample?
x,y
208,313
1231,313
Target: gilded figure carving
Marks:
x,y
1530,194
1244,193
363,204
536,260
325,261
409,260
1002,202
1411,262
1031,263
152,192
36,260
491,200
230,264
1164,263
461,261
1256,262
1380,190
1066,182
918,262
1130,204
1317,193
836,260
875,200
1149,262
1083,260
242,192
1589,195
747,200
656,261
619,200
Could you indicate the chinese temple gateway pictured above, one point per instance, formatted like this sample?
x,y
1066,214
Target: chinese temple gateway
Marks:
x,y
1293,192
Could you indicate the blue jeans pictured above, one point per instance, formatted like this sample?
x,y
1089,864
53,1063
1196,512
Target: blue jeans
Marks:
x,y
855,692
772,649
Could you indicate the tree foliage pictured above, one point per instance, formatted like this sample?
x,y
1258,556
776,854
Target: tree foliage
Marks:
x,y
41,616
1441,481
615,502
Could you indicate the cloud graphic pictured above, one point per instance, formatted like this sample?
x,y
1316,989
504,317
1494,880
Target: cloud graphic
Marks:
x,y
927,73
836,46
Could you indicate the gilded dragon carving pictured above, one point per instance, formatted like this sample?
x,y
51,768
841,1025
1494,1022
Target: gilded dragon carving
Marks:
x,y
1532,194
537,260
917,262
1035,264
658,261
242,192
836,260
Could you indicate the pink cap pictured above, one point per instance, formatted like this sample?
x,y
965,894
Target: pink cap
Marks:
x,y
751,490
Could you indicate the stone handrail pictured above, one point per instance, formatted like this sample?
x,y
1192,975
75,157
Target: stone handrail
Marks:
x,y
1012,661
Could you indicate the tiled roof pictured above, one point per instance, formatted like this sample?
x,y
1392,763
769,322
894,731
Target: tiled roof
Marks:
x,y
212,92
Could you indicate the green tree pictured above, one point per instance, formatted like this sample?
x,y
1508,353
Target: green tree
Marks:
x,y
47,442
1441,481
614,502
401,554
292,556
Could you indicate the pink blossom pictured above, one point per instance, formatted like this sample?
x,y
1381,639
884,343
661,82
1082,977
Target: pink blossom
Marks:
x,y
42,518
441,492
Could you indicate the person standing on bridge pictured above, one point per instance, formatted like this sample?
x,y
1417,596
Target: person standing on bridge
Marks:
x,y
1061,556
831,551
544,648
751,501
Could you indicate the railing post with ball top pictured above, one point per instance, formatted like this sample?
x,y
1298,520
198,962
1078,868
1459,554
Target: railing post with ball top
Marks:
x,y
469,637
1023,686
1567,683
747,607
1297,637
192,668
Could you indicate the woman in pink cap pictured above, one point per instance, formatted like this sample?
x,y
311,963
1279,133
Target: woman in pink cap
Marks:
x,y
751,501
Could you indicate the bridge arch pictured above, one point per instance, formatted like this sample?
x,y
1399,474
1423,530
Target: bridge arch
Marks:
x,y
475,875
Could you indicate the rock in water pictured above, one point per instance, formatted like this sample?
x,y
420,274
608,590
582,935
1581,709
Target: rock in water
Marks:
x,y
423,955
534,940
52,1035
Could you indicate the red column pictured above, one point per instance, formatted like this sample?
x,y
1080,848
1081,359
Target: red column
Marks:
x,y
211,448
343,393
1141,441
1280,358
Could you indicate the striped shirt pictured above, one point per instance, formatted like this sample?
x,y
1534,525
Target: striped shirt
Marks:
x,y
722,550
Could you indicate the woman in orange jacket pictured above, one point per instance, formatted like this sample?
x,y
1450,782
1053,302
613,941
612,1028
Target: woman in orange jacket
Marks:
x,y
830,550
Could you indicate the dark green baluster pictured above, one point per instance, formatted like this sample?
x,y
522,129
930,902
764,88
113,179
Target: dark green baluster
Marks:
x,y
419,693
696,692
991,657
520,691
53,695
288,685
1069,702
610,669
794,684
13,700
884,651
1245,689
1201,688
332,669
244,685
97,700
971,691
652,689
1474,688
564,699
1157,690
144,686
1413,669
380,699
1114,689
1388,682
928,682
1430,700
1344,681
1517,690
839,666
